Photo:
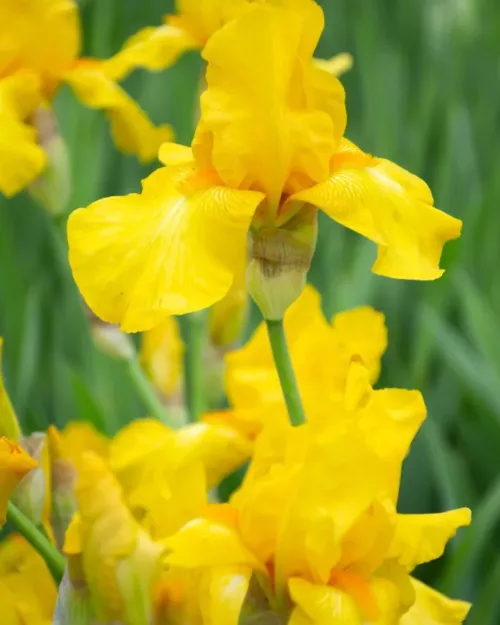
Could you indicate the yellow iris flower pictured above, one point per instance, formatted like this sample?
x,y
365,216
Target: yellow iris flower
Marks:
x,y
15,464
27,590
268,150
315,524
195,21
32,67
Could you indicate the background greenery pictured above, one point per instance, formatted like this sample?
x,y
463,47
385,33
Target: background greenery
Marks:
x,y
423,93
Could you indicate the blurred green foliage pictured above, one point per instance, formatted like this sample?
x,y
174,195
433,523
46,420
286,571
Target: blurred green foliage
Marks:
x,y
423,93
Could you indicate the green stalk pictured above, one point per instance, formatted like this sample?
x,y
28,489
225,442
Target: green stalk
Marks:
x,y
146,390
193,364
284,367
53,559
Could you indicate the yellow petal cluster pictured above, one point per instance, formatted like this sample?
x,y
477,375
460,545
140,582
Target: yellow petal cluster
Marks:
x,y
269,148
315,523
32,67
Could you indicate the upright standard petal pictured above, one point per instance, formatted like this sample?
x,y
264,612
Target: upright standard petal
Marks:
x,y
39,35
263,124
433,608
139,258
21,158
14,465
420,538
389,206
132,131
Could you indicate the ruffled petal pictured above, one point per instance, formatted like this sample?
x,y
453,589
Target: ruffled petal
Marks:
x,y
433,608
21,158
421,538
268,116
321,605
132,131
389,206
151,48
24,41
203,542
139,258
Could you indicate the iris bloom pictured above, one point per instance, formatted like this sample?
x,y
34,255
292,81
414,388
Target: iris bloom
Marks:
x,y
33,65
27,589
268,151
315,527
155,48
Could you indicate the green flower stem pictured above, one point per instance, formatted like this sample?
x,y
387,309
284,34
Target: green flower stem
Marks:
x,y
54,560
146,391
194,338
286,375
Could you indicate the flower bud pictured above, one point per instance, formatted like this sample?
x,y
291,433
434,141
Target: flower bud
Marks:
x,y
280,261
15,464
110,340
53,188
32,495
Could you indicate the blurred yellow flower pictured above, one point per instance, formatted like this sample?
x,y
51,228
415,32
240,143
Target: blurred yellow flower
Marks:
x,y
268,150
32,67
27,589
155,48
15,464
79,437
161,356
315,523
165,473
117,560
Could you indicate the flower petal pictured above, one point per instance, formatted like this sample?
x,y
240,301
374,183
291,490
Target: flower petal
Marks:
x,y
139,258
268,116
421,538
336,65
24,41
151,48
321,605
161,356
222,593
21,158
389,206
203,542
433,608
132,131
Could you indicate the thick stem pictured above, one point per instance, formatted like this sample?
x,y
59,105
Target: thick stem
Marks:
x,y
53,559
193,363
146,391
285,371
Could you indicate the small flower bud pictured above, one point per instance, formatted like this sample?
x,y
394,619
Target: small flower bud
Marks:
x,y
53,188
9,425
280,261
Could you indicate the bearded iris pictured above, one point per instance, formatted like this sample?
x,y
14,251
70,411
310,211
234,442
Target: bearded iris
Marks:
x,y
268,150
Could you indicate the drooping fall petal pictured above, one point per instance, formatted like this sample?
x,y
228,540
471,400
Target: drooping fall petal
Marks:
x,y
15,464
132,131
139,258
389,206
21,158
321,605
420,538
433,608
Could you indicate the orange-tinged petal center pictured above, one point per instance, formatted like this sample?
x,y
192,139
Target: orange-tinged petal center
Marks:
x,y
359,588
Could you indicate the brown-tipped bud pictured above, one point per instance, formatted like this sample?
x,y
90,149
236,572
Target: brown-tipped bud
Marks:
x,y
280,261
53,188
63,477
110,340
